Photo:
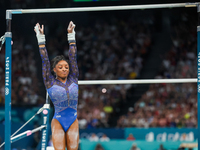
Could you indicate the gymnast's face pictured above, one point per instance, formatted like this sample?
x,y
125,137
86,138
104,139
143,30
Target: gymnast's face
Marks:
x,y
61,69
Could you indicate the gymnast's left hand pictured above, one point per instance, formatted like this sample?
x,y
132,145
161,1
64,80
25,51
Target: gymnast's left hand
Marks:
x,y
38,29
71,32
40,34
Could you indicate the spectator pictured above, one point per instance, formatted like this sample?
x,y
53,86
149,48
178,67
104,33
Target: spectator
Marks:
x,y
99,147
187,137
104,138
130,137
161,147
94,137
134,147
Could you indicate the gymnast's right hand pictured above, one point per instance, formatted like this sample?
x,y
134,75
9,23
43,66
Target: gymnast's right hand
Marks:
x,y
40,34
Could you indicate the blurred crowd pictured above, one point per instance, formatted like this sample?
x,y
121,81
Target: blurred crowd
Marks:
x,y
170,105
109,51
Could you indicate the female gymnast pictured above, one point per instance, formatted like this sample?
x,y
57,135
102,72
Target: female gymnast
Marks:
x,y
63,91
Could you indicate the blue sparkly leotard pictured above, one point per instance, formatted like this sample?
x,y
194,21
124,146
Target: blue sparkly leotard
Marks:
x,y
63,95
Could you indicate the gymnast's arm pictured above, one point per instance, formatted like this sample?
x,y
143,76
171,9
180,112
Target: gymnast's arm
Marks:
x,y
73,60
72,52
46,68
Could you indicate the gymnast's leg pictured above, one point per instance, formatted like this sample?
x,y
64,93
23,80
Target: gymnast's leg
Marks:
x,y
72,136
58,135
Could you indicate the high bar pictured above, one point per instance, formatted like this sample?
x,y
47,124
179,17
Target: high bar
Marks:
x,y
102,8
147,81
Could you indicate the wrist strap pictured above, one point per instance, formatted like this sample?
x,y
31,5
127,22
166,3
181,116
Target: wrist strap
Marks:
x,y
71,36
41,39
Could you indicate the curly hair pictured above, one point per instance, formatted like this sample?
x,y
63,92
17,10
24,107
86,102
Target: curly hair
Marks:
x,y
57,59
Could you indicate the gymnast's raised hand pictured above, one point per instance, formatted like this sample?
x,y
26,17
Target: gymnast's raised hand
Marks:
x,y
40,34
71,27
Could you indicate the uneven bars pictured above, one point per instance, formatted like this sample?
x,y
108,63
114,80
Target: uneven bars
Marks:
x,y
103,8
147,81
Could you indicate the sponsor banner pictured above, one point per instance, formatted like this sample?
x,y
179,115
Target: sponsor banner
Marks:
x,y
162,134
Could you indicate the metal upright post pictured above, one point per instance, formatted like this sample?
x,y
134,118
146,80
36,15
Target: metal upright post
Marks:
x,y
45,135
198,75
8,79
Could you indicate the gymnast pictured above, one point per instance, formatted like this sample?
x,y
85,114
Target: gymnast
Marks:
x,y
63,91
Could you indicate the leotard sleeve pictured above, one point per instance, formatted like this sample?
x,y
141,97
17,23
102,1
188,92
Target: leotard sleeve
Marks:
x,y
46,68
73,72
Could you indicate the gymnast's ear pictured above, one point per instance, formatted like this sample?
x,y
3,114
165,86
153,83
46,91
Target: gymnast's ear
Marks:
x,y
54,70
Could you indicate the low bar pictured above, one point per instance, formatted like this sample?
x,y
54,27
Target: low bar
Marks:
x,y
103,8
147,81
